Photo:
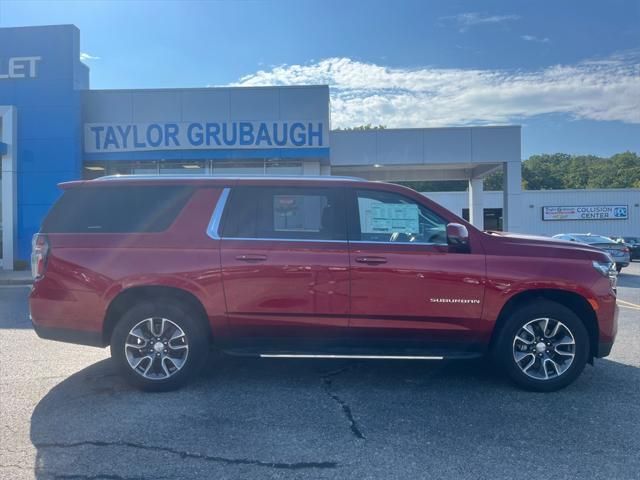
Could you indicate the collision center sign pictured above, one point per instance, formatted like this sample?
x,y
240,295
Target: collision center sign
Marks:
x,y
586,212
131,137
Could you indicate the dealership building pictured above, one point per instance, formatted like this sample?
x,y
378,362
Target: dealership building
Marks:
x,y
54,128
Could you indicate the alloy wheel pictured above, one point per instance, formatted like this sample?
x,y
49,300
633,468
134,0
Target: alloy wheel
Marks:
x,y
156,348
544,348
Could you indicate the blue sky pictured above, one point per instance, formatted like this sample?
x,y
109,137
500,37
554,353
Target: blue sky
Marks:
x,y
567,71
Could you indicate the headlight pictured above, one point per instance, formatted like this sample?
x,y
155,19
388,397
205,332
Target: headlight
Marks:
x,y
607,269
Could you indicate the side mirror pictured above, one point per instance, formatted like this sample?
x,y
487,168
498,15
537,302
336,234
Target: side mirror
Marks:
x,y
458,238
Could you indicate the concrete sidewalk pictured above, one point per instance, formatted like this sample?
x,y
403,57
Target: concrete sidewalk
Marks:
x,y
15,277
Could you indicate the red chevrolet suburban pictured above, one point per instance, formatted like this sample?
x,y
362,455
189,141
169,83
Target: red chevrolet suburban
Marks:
x,y
163,268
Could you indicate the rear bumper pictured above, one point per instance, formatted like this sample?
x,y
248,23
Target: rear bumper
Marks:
x,y
58,313
622,260
79,337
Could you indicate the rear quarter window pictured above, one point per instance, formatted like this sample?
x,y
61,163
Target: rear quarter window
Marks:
x,y
116,209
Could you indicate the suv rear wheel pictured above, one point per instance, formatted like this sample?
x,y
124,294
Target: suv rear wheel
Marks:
x,y
159,345
543,347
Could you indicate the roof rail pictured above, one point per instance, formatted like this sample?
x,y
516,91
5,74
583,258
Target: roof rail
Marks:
x,y
188,176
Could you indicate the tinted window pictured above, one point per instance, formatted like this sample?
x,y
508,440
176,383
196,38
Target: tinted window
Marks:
x,y
116,209
389,217
285,213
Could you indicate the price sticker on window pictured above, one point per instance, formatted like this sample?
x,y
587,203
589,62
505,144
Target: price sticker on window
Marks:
x,y
378,217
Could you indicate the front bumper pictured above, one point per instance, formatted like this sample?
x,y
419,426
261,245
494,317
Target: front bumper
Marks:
x,y
608,336
604,349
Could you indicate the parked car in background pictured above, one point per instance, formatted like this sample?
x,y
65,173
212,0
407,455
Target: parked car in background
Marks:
x,y
618,251
632,243
160,268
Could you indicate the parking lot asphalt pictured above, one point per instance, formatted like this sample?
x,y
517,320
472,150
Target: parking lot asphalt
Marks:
x,y
65,414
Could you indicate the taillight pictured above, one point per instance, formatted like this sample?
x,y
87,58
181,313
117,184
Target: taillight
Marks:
x,y
625,249
39,253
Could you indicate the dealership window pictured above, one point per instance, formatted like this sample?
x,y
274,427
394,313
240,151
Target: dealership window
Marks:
x,y
283,167
492,218
149,167
285,213
183,167
127,167
393,218
93,170
252,166
238,167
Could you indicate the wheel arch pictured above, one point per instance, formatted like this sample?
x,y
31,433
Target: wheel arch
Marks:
x,y
133,295
572,300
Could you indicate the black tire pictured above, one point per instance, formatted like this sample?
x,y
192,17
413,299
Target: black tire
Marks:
x,y
504,346
196,337
618,268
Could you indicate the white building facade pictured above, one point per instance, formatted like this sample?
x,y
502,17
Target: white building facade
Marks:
x,y
567,211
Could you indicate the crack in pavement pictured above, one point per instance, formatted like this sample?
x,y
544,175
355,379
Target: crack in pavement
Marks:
x,y
73,476
103,476
346,409
197,456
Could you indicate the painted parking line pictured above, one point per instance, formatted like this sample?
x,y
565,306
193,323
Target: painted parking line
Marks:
x,y
629,305
630,308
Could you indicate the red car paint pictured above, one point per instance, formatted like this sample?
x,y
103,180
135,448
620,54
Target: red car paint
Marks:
x,y
311,289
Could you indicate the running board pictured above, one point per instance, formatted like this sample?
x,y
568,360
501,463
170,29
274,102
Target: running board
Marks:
x,y
348,349
413,354
353,357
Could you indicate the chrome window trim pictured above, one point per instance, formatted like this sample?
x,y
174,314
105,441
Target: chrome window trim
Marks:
x,y
267,239
263,239
213,230
400,243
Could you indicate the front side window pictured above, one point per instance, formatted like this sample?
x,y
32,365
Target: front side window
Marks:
x,y
287,213
392,218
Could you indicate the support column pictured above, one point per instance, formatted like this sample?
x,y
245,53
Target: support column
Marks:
x,y
476,210
9,136
511,196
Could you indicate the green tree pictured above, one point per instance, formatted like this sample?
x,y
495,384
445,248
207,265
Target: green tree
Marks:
x,y
368,126
562,171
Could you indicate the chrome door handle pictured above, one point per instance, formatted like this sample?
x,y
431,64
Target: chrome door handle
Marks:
x,y
251,258
371,260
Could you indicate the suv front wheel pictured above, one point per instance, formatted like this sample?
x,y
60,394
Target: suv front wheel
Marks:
x,y
159,345
544,346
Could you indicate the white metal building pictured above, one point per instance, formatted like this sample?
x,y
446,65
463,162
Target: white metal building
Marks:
x,y
534,201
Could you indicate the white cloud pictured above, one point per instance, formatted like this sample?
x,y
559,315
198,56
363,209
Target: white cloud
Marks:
x,y
84,56
361,93
470,19
533,38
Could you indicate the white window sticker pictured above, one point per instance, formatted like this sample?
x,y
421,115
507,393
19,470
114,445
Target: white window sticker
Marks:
x,y
378,217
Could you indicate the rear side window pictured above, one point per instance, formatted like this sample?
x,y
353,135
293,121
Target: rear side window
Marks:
x,y
285,213
116,209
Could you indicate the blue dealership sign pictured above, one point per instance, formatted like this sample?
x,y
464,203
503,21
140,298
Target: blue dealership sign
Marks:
x,y
41,76
131,137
